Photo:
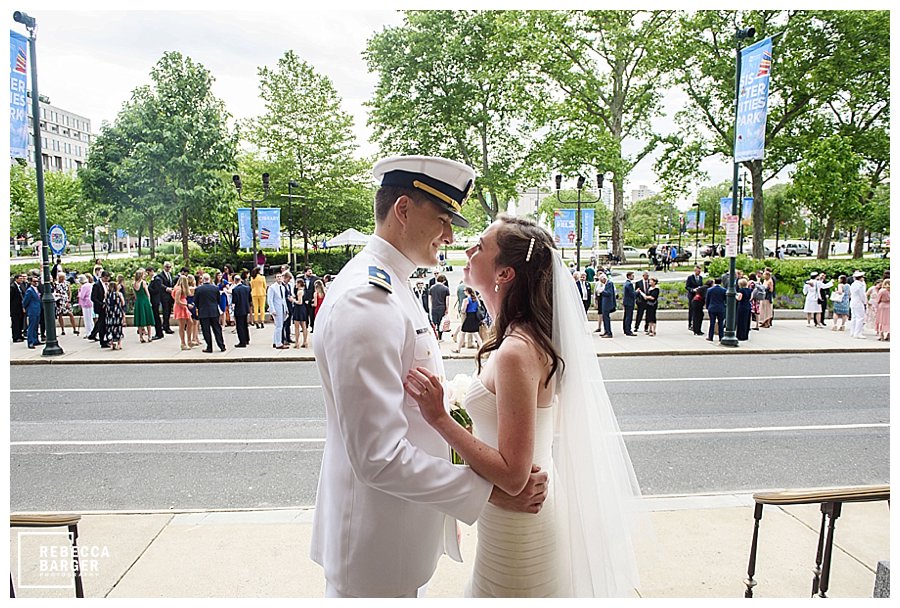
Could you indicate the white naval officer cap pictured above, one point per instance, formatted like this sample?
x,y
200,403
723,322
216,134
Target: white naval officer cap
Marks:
x,y
446,182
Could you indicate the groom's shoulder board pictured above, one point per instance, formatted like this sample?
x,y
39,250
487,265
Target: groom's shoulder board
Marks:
x,y
380,278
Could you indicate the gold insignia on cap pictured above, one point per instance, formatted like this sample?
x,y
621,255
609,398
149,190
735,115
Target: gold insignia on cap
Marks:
x,y
436,193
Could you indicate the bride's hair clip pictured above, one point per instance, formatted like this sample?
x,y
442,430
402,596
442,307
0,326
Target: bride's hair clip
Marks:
x,y
530,249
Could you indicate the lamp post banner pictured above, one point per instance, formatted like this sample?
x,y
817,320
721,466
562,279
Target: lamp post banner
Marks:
x,y
564,228
725,211
692,220
18,98
245,228
753,101
269,222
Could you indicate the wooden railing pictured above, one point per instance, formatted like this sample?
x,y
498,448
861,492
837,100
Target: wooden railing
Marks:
x,y
831,500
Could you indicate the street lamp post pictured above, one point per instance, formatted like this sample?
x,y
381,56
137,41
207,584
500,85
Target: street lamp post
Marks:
x,y
48,304
291,184
697,233
730,338
580,187
237,184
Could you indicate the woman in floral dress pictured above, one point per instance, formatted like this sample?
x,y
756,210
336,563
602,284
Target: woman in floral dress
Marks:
x,y
115,314
62,296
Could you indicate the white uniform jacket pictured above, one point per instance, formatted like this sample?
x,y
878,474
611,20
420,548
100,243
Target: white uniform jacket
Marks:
x,y
386,485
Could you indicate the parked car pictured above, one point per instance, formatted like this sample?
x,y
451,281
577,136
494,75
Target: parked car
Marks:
x,y
633,253
796,249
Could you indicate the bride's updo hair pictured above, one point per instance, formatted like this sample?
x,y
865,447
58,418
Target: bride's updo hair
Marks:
x,y
528,305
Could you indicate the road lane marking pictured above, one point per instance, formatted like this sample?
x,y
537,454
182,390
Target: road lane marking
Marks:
x,y
157,388
317,386
770,429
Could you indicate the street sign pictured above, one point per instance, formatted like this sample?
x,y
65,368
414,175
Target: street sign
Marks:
x,y
57,236
731,236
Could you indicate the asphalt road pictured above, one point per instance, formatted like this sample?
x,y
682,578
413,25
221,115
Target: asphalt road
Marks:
x,y
225,436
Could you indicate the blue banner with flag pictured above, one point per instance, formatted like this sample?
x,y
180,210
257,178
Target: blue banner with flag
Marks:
x,y
564,228
18,97
753,101
269,222
245,228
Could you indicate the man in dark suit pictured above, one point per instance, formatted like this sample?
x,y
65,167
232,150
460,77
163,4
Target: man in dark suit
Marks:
x,y
309,295
31,302
98,299
240,298
167,301
628,301
715,305
691,285
606,304
16,309
206,299
584,290
156,288
642,286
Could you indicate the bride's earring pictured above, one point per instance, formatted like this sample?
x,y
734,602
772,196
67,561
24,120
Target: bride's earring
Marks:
x,y
496,287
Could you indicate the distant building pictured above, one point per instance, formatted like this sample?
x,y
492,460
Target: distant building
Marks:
x,y
65,137
641,193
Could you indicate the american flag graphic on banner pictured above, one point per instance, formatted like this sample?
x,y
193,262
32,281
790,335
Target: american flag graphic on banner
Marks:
x,y
765,64
20,62
264,234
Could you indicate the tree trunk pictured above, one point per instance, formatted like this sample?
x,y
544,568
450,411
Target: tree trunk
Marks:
x,y
93,242
140,238
759,221
825,240
152,238
184,237
618,218
859,243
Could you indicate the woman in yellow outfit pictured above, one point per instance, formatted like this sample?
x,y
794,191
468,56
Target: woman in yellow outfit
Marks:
x,y
258,295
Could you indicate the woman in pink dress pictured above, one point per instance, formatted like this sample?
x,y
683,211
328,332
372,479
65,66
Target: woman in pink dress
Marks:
x,y
870,309
883,311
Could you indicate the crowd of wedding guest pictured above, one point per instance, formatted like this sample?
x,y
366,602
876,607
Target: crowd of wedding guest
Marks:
x,y
202,304
197,303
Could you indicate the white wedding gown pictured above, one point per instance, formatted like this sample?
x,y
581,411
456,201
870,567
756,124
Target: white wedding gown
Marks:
x,y
517,553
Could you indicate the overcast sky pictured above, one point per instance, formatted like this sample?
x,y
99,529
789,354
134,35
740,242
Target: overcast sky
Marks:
x,y
90,59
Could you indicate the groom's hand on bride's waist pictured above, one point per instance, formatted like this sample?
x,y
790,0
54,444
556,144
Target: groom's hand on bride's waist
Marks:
x,y
529,500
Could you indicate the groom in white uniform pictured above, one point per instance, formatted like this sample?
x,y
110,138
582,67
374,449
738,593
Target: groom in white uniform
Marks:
x,y
388,496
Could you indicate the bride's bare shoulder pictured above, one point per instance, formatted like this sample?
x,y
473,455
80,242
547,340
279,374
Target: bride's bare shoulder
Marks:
x,y
519,349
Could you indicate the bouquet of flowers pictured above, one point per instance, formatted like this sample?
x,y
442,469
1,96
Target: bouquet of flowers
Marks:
x,y
456,391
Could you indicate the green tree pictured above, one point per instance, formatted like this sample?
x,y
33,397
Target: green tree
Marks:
x,y
450,83
62,192
306,136
605,67
804,78
828,183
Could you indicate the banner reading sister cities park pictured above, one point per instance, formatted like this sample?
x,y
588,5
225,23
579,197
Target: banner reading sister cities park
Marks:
x,y
753,101
18,98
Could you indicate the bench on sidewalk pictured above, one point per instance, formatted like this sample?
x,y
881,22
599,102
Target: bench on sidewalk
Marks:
x,y
36,520
831,501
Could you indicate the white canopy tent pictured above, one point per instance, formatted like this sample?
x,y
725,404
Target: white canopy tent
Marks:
x,y
349,236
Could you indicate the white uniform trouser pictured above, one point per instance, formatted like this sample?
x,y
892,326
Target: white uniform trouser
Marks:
x,y
278,334
332,591
858,320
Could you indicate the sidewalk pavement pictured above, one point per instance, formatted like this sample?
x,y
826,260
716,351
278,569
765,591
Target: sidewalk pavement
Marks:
x,y
699,548
787,335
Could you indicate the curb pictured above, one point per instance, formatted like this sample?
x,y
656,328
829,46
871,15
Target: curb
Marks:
x,y
717,350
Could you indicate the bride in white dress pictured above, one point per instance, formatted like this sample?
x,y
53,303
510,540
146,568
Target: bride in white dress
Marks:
x,y
539,401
